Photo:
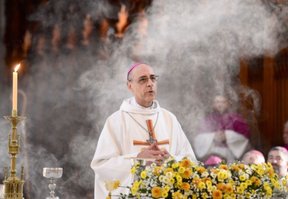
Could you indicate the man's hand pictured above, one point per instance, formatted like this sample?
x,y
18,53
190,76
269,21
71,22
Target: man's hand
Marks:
x,y
154,152
165,154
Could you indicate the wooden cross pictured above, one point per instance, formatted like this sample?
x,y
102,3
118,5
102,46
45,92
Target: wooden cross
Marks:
x,y
152,138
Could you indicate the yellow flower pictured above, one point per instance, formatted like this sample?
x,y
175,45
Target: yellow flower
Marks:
x,y
112,185
243,185
134,191
201,185
231,196
181,169
231,181
166,188
223,166
185,163
222,175
221,186
143,174
260,171
204,195
167,170
267,189
242,178
185,186
187,173
177,195
269,165
275,183
133,170
240,190
164,194
249,182
248,195
116,184
241,166
256,181
156,192
284,182
156,170
208,183
229,188
171,180
201,169
136,184
196,181
135,187
175,165
217,194
210,188
235,167
178,178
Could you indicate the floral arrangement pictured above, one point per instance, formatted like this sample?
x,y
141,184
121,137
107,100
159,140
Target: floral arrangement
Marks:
x,y
186,179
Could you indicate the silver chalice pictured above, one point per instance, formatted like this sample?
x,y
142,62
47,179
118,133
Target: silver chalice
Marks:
x,y
52,174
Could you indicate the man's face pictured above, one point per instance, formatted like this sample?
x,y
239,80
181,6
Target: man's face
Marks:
x,y
220,104
142,83
279,162
285,134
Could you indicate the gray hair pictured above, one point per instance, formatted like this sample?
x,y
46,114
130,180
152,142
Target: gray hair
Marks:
x,y
283,150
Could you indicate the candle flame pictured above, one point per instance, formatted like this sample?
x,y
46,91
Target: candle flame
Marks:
x,y
123,18
17,67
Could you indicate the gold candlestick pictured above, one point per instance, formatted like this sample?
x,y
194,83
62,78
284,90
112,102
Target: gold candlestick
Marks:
x,y
13,185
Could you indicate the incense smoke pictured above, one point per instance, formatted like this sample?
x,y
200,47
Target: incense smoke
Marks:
x,y
194,46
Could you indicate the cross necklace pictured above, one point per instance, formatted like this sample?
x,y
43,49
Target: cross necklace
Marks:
x,y
152,138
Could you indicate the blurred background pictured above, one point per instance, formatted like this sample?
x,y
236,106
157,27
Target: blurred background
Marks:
x,y
74,57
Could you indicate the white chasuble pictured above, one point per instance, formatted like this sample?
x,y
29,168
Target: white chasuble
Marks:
x,y
115,145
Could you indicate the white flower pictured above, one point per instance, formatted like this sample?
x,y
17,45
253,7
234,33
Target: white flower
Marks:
x,y
169,174
205,174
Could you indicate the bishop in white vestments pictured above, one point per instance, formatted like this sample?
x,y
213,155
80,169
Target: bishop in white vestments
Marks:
x,y
116,145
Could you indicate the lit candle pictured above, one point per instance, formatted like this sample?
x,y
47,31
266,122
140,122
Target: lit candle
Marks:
x,y
15,90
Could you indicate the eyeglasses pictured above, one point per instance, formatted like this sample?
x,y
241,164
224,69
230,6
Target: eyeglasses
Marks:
x,y
145,79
